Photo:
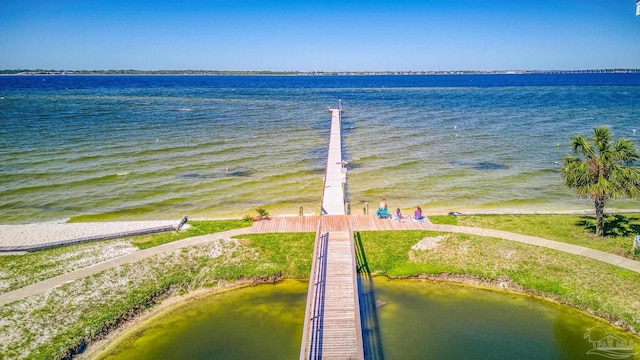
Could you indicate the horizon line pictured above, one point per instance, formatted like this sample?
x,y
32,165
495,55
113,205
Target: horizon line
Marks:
x,y
310,72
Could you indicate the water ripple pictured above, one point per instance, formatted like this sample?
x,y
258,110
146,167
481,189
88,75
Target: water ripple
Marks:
x,y
146,147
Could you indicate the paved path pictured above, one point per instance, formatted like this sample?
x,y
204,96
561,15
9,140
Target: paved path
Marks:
x,y
50,283
606,257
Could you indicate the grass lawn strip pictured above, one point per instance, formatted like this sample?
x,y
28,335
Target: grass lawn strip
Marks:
x,y
196,228
571,229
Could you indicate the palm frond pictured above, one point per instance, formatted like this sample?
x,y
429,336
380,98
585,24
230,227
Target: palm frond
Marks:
x,y
600,169
581,146
626,151
602,138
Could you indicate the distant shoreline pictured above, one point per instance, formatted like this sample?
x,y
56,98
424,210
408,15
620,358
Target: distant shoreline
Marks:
x,y
312,73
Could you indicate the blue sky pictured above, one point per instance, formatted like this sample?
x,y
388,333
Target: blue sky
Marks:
x,y
319,35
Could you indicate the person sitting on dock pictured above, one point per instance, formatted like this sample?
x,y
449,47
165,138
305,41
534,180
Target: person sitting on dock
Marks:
x,y
398,215
417,215
383,203
383,211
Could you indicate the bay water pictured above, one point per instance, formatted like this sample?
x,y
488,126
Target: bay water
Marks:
x,y
159,147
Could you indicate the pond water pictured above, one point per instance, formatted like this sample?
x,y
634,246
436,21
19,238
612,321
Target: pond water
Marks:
x,y
416,319
444,321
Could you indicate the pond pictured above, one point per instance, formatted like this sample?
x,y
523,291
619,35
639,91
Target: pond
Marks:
x,y
416,320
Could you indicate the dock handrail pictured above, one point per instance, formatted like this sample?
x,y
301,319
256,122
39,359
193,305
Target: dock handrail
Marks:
x,y
356,299
326,170
100,237
117,235
315,294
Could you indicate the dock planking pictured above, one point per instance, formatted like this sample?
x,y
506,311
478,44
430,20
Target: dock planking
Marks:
x,y
341,318
287,224
335,173
336,223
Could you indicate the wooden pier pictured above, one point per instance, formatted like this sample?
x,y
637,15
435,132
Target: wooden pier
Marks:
x,y
332,327
335,174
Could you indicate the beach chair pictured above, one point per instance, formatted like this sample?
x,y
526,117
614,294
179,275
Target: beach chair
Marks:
x,y
382,213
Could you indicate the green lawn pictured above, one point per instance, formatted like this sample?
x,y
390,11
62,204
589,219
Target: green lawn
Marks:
x,y
572,229
197,228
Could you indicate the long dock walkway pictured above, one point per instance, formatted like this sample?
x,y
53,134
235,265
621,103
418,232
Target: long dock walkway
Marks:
x,y
335,175
332,327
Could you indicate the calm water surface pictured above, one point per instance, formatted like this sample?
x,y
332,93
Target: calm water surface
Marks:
x,y
418,320
149,147
261,322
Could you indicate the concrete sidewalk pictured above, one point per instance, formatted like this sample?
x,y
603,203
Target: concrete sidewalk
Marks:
x,y
609,258
50,283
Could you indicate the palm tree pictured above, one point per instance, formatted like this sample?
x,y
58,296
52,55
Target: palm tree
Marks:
x,y
600,169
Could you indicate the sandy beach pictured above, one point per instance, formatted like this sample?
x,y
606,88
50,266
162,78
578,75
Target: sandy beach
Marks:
x,y
50,232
